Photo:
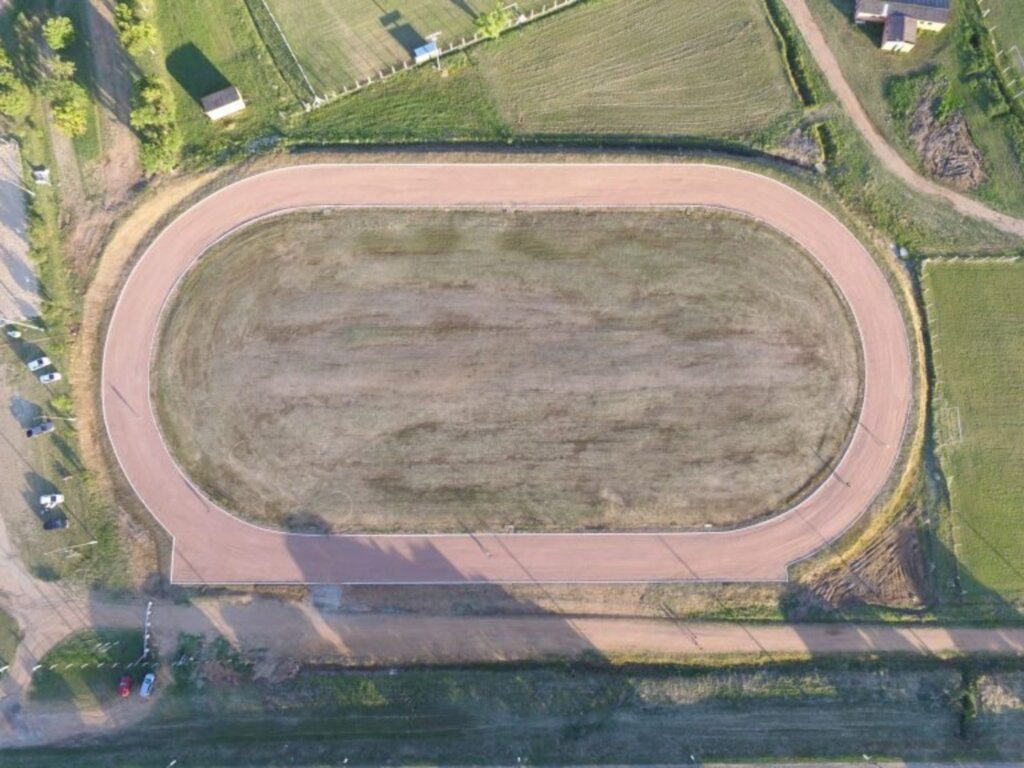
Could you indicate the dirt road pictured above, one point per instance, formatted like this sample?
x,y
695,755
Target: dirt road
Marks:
x,y
212,546
889,158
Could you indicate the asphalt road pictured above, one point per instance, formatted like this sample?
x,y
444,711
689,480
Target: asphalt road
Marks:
x,y
212,546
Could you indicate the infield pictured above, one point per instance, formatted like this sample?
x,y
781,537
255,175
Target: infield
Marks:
x,y
450,371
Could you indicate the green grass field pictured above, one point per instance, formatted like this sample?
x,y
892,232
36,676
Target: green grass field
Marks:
x,y
87,667
644,67
868,70
340,41
1006,19
207,45
975,317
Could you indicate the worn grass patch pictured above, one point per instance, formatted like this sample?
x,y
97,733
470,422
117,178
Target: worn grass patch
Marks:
x,y
425,371
975,316
564,715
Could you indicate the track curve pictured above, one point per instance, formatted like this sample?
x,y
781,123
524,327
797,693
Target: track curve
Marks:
x,y
211,546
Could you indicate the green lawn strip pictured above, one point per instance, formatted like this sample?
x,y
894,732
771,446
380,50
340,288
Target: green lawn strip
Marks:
x,y
975,316
580,714
950,56
10,636
86,668
415,106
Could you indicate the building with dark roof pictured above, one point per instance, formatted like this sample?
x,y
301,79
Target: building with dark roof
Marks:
x,y
899,33
903,20
224,102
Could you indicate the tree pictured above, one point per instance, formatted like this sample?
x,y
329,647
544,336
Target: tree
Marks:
x,y
61,69
494,22
137,35
59,32
154,122
70,105
14,96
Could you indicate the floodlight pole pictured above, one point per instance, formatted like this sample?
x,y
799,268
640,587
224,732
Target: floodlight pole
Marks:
x,y
433,37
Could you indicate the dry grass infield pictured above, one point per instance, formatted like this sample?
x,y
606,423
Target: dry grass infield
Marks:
x,y
429,371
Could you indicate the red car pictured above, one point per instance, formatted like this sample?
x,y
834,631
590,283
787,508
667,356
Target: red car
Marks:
x,y
124,688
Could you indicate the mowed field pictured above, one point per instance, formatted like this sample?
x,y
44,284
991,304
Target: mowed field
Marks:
x,y
975,315
341,41
450,371
648,67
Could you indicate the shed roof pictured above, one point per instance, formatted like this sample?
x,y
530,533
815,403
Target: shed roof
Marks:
x,y
926,10
220,98
899,29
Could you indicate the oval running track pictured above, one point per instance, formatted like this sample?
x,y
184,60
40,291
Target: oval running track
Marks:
x,y
211,546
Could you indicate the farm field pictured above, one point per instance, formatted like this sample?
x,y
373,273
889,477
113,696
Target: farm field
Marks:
x,y
974,314
644,67
452,371
947,58
564,715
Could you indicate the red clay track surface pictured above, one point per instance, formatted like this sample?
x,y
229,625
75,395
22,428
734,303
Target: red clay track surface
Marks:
x,y
213,546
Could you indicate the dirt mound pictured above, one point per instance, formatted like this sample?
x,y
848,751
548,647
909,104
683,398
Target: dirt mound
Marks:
x,y
890,572
945,145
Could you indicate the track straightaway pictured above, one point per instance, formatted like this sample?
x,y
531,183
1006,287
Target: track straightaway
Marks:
x,y
214,547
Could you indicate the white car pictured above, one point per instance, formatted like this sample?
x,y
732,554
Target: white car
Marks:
x,y
147,685
49,378
14,333
51,500
39,362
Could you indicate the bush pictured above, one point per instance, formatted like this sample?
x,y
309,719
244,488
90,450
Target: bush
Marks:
x,y
494,22
137,35
70,104
14,96
153,121
59,32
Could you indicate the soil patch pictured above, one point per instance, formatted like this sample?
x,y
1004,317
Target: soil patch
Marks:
x,y
945,146
451,371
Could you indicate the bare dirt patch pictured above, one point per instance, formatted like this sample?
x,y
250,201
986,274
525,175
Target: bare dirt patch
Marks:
x,y
945,146
451,371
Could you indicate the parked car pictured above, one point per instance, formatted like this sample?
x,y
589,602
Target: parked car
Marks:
x,y
55,524
14,333
40,429
147,685
51,500
49,378
38,363
124,688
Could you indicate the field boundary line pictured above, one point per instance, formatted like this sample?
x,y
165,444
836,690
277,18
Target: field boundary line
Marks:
x,y
302,71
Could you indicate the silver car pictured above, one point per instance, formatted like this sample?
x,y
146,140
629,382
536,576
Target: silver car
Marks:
x,y
38,363
40,429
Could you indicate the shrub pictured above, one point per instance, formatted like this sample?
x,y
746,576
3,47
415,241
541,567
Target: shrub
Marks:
x,y
153,121
59,32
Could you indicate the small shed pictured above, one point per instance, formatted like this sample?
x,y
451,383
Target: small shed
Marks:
x,y
426,52
223,103
899,33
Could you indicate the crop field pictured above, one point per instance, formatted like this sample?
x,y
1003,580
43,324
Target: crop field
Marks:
x,y
340,41
564,715
647,67
975,316
447,371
